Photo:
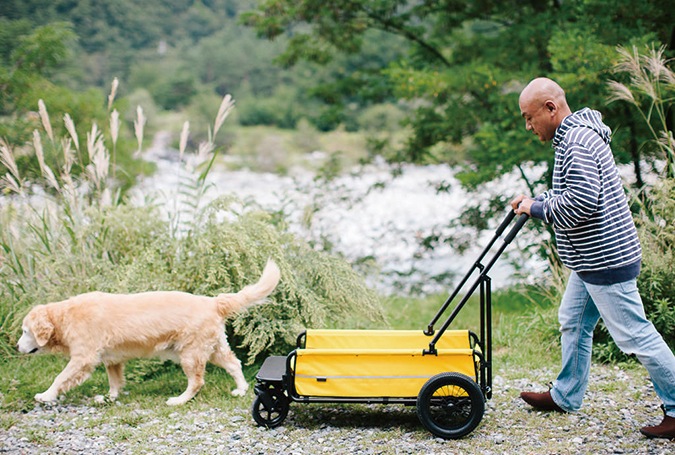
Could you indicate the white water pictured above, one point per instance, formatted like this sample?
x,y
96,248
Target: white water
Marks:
x,y
369,214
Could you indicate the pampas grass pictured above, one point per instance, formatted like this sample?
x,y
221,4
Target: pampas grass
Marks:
x,y
70,127
113,92
224,110
650,91
44,117
46,170
12,181
77,238
139,124
114,126
184,134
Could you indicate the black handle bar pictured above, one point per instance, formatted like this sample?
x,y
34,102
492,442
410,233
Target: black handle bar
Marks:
x,y
484,269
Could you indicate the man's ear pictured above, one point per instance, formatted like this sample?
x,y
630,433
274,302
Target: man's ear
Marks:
x,y
551,106
42,326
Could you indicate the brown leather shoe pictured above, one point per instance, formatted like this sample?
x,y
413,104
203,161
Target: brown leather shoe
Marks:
x,y
541,401
665,429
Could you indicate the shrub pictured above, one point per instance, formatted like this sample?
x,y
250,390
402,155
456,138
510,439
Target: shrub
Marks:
x,y
381,117
78,237
650,90
656,227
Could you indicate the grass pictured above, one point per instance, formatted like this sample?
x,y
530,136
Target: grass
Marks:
x,y
151,382
519,317
618,401
272,149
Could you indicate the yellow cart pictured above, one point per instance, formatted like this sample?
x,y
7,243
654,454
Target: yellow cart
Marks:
x,y
446,374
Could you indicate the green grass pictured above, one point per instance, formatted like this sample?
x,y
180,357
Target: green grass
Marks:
x,y
524,322
524,331
272,149
24,376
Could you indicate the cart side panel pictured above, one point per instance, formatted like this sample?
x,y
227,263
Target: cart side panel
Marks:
x,y
383,339
395,373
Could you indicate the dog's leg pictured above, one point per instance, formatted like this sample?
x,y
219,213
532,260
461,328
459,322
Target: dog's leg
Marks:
x,y
225,358
194,367
115,379
75,373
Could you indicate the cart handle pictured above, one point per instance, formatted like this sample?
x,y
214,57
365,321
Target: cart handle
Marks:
x,y
516,228
502,227
478,263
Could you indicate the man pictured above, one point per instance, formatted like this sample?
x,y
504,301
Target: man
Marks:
x,y
598,242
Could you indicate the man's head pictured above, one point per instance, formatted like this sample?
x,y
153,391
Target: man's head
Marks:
x,y
543,106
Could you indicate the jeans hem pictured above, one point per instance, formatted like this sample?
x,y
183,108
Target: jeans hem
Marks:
x,y
557,401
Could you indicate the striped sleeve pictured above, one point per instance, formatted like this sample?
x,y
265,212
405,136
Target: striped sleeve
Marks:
x,y
579,199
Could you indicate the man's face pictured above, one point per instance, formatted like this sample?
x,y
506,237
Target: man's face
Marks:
x,y
538,118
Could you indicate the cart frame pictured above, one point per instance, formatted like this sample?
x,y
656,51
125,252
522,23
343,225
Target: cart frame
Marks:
x,y
456,416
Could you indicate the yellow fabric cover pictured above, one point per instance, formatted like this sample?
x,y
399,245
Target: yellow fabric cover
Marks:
x,y
383,339
377,363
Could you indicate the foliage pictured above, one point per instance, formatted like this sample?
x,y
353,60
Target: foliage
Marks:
x,y
651,91
656,226
27,63
27,78
657,279
466,62
182,53
79,237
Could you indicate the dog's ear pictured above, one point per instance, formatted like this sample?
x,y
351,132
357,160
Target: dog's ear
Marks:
x,y
42,326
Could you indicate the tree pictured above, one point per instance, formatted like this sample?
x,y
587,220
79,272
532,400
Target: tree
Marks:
x,y
467,61
25,70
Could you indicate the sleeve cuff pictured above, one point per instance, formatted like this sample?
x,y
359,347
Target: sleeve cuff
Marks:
x,y
537,210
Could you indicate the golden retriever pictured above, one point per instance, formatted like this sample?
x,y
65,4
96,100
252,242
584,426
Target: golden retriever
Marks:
x,y
97,327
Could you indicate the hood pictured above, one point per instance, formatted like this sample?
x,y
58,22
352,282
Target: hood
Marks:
x,y
586,118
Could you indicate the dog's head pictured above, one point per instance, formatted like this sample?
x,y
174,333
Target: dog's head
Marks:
x,y
37,330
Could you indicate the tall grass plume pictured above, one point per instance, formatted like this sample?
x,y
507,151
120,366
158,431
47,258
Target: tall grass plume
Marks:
x,y
650,91
76,238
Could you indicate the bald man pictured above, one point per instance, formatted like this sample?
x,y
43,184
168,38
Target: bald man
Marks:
x,y
597,240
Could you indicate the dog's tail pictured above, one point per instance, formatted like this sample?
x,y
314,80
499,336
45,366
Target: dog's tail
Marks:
x,y
230,304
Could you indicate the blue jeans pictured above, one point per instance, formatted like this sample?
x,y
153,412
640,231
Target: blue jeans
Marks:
x,y
620,307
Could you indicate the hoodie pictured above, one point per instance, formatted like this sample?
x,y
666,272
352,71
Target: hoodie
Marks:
x,y
587,206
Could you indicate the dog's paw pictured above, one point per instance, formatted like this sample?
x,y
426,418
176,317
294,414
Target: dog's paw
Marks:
x,y
45,397
175,401
239,392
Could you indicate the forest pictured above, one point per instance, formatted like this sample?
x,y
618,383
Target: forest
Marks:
x,y
447,71
444,74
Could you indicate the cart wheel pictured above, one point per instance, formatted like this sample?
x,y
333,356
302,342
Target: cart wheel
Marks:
x,y
450,405
270,408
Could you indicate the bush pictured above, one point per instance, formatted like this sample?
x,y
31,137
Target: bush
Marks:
x,y
656,226
278,109
78,237
131,249
381,117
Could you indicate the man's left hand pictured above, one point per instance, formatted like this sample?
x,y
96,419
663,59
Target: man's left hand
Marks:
x,y
521,204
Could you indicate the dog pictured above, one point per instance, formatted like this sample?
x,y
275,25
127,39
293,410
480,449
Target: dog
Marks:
x,y
98,327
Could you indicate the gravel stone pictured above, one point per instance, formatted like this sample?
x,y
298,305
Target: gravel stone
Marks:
x,y
618,403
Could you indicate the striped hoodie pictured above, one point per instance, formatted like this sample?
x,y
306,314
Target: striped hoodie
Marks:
x,y
587,205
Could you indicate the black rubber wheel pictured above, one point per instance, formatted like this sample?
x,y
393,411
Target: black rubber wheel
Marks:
x,y
270,408
450,405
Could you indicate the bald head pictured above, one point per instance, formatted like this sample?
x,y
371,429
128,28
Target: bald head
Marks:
x,y
542,89
543,106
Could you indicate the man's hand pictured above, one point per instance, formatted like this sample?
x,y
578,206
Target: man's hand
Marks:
x,y
521,204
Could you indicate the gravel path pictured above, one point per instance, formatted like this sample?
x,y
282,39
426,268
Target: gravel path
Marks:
x,y
619,402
